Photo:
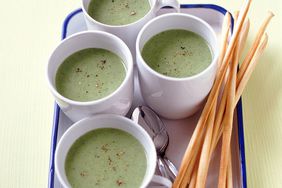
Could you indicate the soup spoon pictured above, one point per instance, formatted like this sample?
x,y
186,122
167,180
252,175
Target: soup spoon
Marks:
x,y
151,122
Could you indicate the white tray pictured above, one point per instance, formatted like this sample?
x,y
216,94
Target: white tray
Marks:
x,y
179,131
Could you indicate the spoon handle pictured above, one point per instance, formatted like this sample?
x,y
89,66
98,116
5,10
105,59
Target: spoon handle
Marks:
x,y
162,168
172,169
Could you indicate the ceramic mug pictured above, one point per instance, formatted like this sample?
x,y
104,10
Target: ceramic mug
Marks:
x,y
108,121
175,98
128,32
118,102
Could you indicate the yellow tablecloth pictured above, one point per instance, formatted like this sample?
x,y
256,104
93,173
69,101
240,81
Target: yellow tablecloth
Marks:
x,y
31,29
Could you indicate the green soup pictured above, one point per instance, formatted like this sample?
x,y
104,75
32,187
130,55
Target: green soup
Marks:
x,y
177,53
118,12
90,74
106,158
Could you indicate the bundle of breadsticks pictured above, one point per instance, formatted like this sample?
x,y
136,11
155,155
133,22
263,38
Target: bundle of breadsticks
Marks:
x,y
216,120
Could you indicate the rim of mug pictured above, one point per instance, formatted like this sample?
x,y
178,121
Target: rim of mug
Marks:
x,y
169,78
77,125
116,26
129,70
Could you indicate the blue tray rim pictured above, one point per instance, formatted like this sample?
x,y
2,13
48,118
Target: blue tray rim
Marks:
x,y
57,108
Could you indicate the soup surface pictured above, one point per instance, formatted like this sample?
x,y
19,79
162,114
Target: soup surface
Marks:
x,y
118,12
106,158
90,74
177,53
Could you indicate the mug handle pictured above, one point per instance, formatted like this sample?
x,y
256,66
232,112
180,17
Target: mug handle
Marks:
x,y
170,3
162,181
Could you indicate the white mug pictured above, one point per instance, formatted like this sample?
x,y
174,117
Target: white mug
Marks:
x,y
118,102
128,32
108,121
175,98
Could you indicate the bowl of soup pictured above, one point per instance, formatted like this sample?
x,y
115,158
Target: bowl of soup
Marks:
x,y
89,73
105,151
177,63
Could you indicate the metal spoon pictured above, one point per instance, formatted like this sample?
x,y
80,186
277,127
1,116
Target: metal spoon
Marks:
x,y
150,121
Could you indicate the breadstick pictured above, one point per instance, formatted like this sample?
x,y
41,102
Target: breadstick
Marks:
x,y
204,159
255,45
250,68
243,37
228,120
229,181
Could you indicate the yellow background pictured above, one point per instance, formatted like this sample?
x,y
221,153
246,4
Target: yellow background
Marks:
x,y
30,29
